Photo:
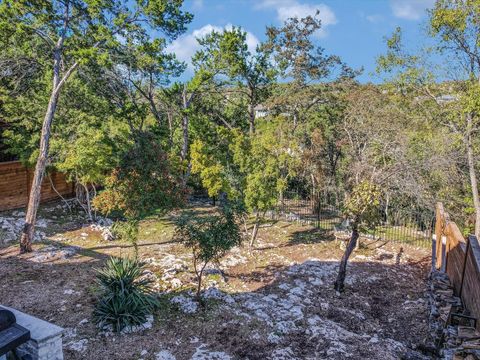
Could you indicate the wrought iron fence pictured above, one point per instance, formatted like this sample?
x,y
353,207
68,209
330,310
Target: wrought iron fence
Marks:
x,y
325,212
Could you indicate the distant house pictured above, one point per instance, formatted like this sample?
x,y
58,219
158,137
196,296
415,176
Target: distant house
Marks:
x,y
261,111
442,99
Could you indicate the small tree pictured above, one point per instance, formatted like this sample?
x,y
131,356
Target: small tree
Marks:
x,y
209,238
145,182
77,34
267,159
362,208
86,161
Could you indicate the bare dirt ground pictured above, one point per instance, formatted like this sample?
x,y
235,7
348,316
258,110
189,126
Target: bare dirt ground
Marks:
x,y
275,302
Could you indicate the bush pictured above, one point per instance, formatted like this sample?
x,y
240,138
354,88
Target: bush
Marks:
x,y
145,182
127,231
209,238
126,297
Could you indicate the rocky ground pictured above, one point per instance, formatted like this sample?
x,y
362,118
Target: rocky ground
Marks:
x,y
275,302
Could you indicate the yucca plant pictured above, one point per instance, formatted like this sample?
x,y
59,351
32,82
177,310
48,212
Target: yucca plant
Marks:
x,y
126,298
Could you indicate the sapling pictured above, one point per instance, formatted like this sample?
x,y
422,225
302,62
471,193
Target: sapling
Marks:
x,y
209,238
362,207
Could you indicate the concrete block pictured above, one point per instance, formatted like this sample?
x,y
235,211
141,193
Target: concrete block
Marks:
x,y
46,338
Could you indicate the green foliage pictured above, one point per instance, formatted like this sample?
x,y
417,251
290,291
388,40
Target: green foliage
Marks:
x,y
209,238
125,297
363,205
127,231
144,183
224,60
87,159
268,159
92,38
212,172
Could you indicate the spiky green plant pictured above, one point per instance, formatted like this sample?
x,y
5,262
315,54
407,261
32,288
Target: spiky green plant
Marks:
x,y
126,297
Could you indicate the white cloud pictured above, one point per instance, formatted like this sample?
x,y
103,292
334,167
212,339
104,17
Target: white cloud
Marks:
x,y
374,18
410,9
186,45
292,8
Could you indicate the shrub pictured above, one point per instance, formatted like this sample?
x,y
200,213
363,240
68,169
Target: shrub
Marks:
x,y
126,298
209,238
127,231
144,182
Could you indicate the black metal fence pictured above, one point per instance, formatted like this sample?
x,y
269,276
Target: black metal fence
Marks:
x,y
325,212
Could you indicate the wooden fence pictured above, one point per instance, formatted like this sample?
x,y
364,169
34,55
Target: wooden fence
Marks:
x,y
16,180
460,259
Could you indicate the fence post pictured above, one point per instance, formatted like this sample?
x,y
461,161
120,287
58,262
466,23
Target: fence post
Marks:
x,y
441,222
445,250
464,266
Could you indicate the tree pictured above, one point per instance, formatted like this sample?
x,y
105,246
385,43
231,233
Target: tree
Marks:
x,y
76,33
144,182
86,161
303,64
267,160
226,57
209,238
362,207
455,26
213,160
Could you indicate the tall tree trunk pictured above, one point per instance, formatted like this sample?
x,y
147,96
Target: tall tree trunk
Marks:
x,y
342,271
387,208
254,231
295,120
89,205
473,175
251,116
184,151
170,128
35,190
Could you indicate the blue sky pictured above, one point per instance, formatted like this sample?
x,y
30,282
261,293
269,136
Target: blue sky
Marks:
x,y
352,29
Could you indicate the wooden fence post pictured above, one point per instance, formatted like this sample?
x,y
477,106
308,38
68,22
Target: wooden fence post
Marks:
x,y
464,266
441,221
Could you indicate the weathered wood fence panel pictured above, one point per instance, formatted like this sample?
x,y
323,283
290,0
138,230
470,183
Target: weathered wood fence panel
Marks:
x,y
460,258
15,182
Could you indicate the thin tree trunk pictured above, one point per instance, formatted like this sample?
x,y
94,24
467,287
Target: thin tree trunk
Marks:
x,y
251,111
170,128
89,206
295,120
387,209
473,175
199,281
59,195
35,191
342,271
255,231
245,225
183,153
34,198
